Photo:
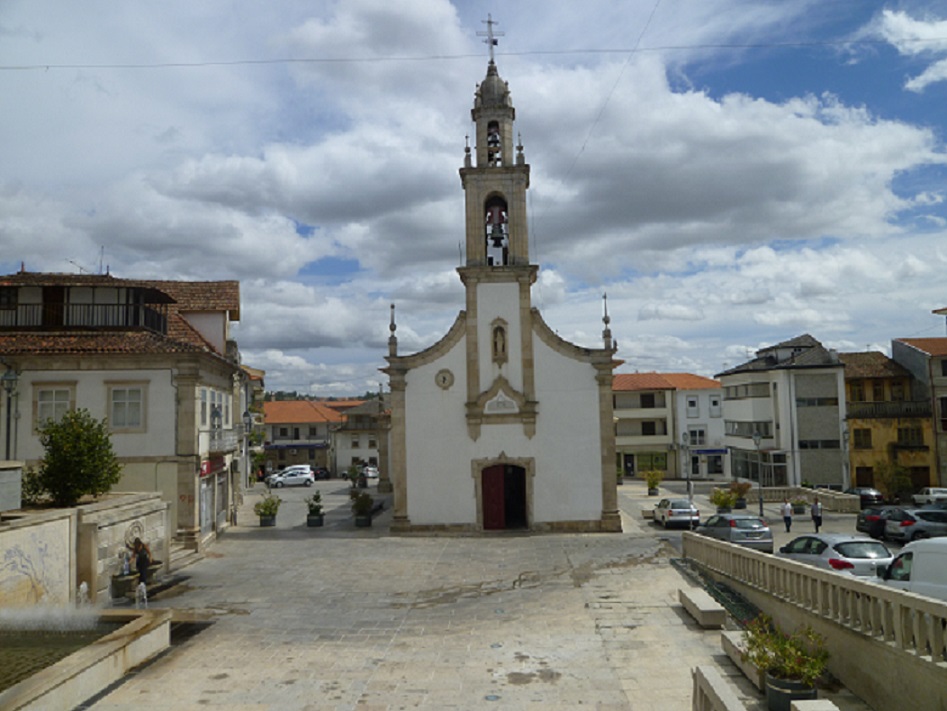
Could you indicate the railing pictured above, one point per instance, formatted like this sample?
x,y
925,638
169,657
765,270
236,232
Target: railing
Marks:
x,y
830,500
910,623
889,410
56,316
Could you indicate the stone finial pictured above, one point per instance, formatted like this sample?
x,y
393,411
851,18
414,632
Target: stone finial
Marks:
x,y
392,339
606,332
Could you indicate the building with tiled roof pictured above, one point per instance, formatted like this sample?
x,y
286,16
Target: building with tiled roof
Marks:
x,y
784,416
153,358
926,359
886,422
299,432
671,422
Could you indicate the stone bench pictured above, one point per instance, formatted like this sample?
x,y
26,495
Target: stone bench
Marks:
x,y
708,612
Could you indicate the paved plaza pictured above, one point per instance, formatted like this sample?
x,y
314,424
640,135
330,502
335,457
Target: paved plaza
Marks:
x,y
345,618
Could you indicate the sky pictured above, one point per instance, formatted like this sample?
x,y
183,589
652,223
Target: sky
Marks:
x,y
732,173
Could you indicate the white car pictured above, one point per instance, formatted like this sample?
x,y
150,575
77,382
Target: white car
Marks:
x,y
930,495
676,512
297,475
370,473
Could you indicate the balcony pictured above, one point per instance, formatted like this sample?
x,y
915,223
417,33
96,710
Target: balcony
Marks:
x,y
888,410
58,316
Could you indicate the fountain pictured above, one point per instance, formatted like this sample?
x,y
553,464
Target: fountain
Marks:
x,y
58,656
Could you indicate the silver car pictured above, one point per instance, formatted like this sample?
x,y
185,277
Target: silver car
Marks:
x,y
856,555
914,524
676,512
742,529
292,476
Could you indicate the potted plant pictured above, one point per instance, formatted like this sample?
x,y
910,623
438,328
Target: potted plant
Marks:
x,y
653,477
315,517
619,477
723,499
362,508
799,506
740,489
791,662
266,509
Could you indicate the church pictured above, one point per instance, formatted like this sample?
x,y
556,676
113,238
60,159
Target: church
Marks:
x,y
501,424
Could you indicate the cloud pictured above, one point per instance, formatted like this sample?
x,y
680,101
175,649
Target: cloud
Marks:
x,y
917,38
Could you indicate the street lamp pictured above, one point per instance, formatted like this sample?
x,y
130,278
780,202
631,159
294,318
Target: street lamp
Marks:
x,y
759,468
685,439
9,385
247,431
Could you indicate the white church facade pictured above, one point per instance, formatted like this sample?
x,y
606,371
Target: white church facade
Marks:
x,y
502,424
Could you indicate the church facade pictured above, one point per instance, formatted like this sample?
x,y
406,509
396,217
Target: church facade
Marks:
x,y
502,424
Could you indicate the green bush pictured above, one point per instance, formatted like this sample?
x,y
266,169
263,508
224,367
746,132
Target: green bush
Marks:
x,y
800,656
653,477
79,459
31,488
267,506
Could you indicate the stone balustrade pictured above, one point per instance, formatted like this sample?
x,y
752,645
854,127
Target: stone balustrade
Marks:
x,y
830,500
885,644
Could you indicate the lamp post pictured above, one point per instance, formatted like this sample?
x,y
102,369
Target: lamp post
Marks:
x,y
9,385
685,440
247,431
759,468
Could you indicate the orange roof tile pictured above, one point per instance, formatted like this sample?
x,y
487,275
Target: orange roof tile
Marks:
x,y
298,412
871,364
662,381
931,346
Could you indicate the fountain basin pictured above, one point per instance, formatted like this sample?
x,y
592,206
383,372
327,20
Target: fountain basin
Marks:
x,y
143,634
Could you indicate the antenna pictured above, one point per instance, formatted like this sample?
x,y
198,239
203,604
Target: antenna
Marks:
x,y
491,36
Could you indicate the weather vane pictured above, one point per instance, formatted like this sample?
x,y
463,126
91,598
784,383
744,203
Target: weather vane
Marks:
x,y
491,36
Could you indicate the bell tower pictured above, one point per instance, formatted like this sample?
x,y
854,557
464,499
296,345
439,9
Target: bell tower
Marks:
x,y
497,274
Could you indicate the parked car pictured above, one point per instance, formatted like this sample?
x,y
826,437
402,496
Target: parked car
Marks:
x,y
841,552
872,520
867,495
321,473
913,524
930,495
920,567
676,512
370,473
293,476
741,529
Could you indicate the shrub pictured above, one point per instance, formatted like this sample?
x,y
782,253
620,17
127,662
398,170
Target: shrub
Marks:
x,y
740,488
79,459
723,498
314,503
653,477
267,506
362,504
800,656
32,488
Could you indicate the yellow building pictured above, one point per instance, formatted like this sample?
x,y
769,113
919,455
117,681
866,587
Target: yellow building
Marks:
x,y
885,421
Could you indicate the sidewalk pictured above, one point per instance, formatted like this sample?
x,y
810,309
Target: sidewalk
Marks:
x,y
345,618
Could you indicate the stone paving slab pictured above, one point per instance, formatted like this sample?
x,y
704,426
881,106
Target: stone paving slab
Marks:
x,y
347,619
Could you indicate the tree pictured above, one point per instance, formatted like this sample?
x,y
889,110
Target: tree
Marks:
x,y
79,459
892,480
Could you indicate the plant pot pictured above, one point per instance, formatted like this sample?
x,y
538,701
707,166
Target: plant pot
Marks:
x,y
315,520
740,504
723,509
799,509
653,492
363,520
780,693
268,520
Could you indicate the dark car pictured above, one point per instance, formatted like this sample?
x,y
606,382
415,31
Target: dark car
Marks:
x,y
321,473
871,520
867,495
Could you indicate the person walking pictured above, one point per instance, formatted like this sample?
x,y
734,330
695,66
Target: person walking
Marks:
x,y
786,510
816,514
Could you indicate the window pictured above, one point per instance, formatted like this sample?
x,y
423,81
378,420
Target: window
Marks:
x,y
818,444
126,407
943,414
52,402
861,438
856,391
203,407
943,367
693,407
372,444
897,390
284,432
647,400
8,297
652,460
649,428
878,391
355,443
313,431
910,436
696,436
715,406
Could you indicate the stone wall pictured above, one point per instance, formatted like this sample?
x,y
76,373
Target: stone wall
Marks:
x,y
46,554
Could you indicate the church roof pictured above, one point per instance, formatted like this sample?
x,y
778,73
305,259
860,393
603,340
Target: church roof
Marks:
x,y
493,91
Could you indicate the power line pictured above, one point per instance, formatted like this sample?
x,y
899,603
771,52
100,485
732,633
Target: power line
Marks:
x,y
451,57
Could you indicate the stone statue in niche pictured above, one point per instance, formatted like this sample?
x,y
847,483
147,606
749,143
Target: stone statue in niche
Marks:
x,y
499,344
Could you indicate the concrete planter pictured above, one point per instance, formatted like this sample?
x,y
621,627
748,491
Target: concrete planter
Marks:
x,y
268,520
315,520
780,693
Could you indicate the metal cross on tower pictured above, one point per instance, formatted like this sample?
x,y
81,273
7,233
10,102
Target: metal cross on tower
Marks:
x,y
491,36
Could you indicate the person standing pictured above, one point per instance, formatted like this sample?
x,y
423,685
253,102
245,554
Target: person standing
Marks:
x,y
816,514
142,555
786,511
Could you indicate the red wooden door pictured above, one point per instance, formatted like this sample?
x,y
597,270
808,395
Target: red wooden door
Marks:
x,y
494,515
